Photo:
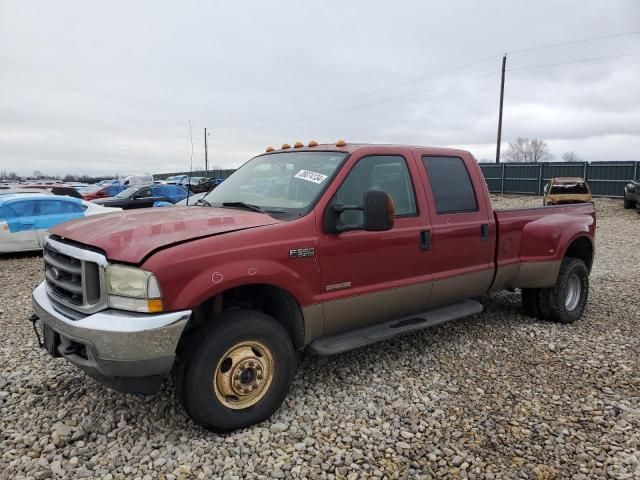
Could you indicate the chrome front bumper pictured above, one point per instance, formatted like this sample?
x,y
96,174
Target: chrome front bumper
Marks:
x,y
114,343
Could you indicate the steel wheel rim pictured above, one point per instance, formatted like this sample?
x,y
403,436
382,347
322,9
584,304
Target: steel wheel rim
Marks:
x,y
243,375
574,291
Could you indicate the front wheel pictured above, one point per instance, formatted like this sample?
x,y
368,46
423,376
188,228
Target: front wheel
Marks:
x,y
567,300
238,372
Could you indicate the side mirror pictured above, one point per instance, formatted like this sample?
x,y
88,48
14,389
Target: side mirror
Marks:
x,y
378,212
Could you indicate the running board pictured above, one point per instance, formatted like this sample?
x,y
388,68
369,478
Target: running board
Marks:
x,y
343,342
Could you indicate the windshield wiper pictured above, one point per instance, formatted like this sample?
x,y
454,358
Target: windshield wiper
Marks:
x,y
251,207
246,206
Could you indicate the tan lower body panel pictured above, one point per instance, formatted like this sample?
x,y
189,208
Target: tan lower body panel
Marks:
x,y
453,289
313,316
537,275
506,276
363,310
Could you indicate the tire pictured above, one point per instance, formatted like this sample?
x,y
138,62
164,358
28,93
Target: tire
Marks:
x,y
543,304
236,373
566,301
530,302
627,203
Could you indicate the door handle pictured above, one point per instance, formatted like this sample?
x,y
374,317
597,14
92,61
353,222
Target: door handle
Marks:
x,y
425,240
484,231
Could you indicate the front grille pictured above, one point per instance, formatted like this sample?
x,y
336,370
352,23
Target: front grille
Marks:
x,y
74,275
64,276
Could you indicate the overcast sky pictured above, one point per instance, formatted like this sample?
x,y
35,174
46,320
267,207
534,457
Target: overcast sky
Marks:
x,y
106,87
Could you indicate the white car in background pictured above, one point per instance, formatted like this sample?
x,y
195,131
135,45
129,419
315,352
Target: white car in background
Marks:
x,y
26,218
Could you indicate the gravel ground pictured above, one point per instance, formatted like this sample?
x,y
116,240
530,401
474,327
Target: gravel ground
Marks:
x,y
498,395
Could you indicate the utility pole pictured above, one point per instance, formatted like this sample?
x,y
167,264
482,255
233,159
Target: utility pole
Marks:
x,y
504,63
206,153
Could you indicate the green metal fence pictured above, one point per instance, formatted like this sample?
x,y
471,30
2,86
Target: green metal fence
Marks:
x,y
605,179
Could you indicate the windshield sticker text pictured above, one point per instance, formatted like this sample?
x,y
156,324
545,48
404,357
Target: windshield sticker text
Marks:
x,y
310,176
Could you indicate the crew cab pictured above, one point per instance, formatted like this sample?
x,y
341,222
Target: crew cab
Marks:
x,y
320,247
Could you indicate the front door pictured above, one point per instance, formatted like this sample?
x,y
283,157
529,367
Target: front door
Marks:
x,y
371,277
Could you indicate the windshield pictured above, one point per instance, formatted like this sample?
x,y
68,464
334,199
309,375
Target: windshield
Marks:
x,y
282,183
578,188
128,192
192,199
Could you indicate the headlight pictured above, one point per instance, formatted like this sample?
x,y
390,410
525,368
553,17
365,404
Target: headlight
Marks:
x,y
131,288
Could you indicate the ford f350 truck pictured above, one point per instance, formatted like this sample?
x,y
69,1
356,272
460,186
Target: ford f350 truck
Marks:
x,y
319,247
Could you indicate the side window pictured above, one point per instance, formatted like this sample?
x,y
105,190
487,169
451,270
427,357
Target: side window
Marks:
x,y
25,208
144,193
388,173
57,207
450,184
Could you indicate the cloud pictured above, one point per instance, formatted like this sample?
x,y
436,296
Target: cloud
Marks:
x,y
104,88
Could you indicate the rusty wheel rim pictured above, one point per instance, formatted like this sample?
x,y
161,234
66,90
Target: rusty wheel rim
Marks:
x,y
243,375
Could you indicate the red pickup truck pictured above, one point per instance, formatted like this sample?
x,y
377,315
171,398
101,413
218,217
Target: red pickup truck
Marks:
x,y
323,247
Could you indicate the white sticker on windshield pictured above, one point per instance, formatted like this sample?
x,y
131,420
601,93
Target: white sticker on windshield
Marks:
x,y
310,176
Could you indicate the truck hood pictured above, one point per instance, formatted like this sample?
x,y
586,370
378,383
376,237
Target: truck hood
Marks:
x,y
130,236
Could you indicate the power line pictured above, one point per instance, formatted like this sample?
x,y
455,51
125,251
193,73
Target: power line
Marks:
x,y
388,99
573,42
436,74
584,60
373,92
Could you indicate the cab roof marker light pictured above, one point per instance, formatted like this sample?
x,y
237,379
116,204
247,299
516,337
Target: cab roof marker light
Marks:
x,y
270,149
298,145
341,143
285,146
313,143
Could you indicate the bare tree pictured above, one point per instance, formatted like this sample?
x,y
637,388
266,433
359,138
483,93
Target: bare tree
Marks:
x,y
538,151
571,157
516,150
525,150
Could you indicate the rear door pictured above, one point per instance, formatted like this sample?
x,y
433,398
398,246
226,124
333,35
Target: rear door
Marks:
x,y
370,277
18,226
461,231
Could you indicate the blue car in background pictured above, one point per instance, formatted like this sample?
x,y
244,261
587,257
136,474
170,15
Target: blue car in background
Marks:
x,y
26,218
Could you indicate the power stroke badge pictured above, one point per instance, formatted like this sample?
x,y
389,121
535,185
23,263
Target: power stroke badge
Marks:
x,y
302,252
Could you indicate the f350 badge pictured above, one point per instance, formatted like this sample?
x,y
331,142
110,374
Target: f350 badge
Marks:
x,y
302,252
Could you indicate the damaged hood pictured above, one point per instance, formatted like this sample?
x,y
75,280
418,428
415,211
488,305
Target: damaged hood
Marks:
x,y
131,235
